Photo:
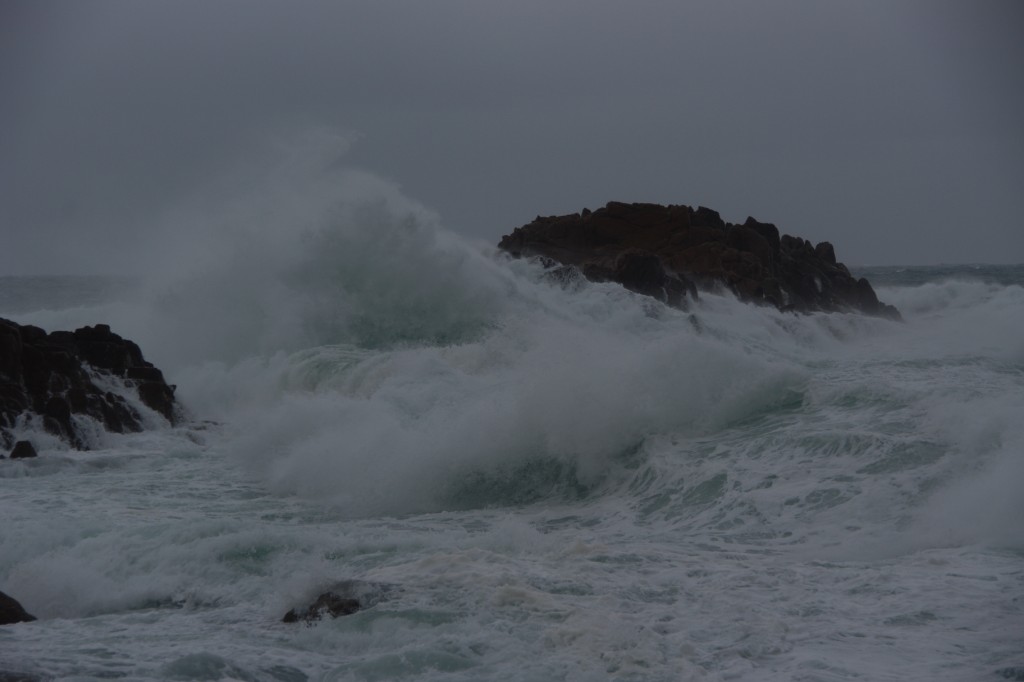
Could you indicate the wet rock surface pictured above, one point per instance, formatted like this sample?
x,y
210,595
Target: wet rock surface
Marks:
x,y
60,374
341,599
328,603
23,449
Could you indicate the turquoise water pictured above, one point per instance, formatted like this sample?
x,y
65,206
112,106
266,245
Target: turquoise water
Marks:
x,y
914,275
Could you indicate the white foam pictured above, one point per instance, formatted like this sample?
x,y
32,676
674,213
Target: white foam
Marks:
x,y
764,494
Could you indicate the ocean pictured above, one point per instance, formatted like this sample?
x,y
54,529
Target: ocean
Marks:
x,y
523,479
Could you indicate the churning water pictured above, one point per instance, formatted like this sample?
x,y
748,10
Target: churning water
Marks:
x,y
537,481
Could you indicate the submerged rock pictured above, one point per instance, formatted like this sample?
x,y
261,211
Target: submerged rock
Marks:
x,y
342,599
327,603
12,612
668,252
58,375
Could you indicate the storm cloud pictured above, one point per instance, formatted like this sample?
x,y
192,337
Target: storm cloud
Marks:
x,y
890,129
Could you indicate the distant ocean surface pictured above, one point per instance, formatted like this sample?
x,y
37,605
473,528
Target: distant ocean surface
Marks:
x,y
534,482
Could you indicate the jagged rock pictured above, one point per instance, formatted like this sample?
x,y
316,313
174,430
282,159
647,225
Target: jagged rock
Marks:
x,y
643,273
12,612
669,251
23,449
52,376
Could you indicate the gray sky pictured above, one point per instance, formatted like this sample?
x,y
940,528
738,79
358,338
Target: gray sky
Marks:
x,y
890,128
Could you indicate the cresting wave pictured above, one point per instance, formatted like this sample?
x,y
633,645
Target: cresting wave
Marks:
x,y
558,474
357,353
381,363
354,351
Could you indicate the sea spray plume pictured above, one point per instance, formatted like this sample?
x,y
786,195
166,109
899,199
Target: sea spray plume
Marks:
x,y
313,253
562,390
361,354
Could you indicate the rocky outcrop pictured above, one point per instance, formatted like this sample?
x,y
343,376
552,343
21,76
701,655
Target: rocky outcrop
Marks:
x,y
327,603
12,612
23,449
668,252
61,374
341,599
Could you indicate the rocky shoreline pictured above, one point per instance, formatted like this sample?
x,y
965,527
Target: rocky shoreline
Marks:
x,y
55,377
670,252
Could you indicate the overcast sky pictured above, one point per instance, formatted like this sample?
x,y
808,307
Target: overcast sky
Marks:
x,y
891,128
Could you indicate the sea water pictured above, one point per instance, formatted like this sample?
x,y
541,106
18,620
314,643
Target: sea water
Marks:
x,y
526,479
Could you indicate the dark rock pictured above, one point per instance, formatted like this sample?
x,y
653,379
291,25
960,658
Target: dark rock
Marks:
x,y
766,230
327,603
341,599
644,273
52,376
23,449
12,612
144,374
705,217
667,252
10,352
158,396
13,401
824,251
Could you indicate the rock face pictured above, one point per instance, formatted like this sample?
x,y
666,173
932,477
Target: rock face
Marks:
x,y
60,374
12,612
23,449
668,252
